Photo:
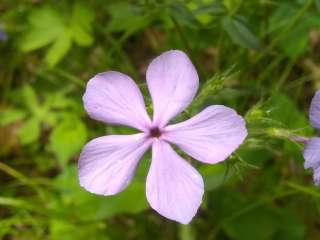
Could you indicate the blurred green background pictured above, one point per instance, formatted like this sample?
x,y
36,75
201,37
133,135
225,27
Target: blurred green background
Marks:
x,y
261,57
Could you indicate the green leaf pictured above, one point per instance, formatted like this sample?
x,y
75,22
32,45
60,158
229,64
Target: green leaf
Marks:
x,y
119,203
8,116
183,15
68,138
127,18
71,231
249,218
87,206
258,223
45,26
295,41
240,33
232,5
81,24
283,109
30,98
292,226
318,4
30,131
59,49
215,175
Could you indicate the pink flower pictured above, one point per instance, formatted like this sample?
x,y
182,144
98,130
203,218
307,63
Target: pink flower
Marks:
x,y
311,151
174,188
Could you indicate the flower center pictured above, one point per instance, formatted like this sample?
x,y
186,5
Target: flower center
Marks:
x,y
155,132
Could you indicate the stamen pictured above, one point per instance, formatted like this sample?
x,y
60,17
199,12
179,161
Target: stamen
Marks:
x,y
155,132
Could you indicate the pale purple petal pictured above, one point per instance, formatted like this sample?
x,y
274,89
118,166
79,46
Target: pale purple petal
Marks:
x,y
3,35
316,176
107,164
173,82
174,188
311,153
314,112
210,136
114,98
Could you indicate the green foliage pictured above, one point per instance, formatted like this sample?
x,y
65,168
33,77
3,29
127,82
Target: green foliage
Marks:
x,y
90,207
245,218
239,33
67,138
127,18
259,57
8,116
48,26
295,42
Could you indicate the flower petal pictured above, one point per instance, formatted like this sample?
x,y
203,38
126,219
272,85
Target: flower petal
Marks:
x,y
173,82
311,153
314,112
210,136
174,187
316,176
107,164
114,98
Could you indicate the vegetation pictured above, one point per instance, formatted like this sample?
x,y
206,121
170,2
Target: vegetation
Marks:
x,y
260,57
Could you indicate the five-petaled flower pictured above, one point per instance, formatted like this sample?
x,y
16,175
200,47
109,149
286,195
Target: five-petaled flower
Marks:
x,y
173,188
311,151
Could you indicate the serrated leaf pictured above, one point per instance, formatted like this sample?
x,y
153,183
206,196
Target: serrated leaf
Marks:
x,y
59,49
67,138
240,33
81,24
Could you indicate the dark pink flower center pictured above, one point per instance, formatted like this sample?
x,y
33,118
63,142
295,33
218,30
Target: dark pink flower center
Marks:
x,y
155,132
